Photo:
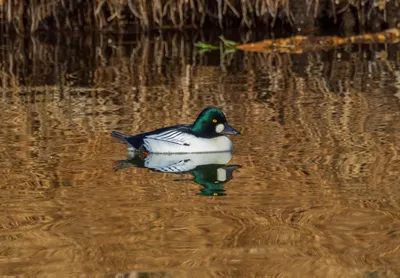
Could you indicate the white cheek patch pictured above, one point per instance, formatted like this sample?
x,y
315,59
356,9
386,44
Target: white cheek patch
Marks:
x,y
219,128
221,174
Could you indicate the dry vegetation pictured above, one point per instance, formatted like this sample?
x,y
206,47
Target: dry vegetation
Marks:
x,y
300,44
29,16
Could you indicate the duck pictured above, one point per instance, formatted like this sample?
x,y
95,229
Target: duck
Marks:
x,y
206,135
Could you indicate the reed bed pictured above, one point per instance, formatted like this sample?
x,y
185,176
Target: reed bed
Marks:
x,y
123,15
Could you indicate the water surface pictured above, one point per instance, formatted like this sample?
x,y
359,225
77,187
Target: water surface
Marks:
x,y
317,193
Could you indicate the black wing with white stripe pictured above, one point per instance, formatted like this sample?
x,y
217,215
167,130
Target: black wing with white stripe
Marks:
x,y
172,136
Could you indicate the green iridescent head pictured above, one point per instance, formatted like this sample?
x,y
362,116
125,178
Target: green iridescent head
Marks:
x,y
212,123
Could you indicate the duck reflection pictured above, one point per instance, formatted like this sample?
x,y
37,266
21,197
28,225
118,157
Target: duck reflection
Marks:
x,y
208,169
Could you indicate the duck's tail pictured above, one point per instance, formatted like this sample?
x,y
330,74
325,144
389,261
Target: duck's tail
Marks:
x,y
120,137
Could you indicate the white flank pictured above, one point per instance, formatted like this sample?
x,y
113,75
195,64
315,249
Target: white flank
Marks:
x,y
179,142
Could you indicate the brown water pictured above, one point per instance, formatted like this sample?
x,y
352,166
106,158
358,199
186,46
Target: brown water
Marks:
x,y
317,193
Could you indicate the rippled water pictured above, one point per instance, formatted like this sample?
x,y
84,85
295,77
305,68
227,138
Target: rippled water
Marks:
x,y
311,190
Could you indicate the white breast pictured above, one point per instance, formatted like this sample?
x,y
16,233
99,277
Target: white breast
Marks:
x,y
179,142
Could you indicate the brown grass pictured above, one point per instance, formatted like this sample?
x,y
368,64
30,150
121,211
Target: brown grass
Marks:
x,y
29,16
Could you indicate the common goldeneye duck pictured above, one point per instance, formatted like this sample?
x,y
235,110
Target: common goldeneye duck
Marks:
x,y
205,135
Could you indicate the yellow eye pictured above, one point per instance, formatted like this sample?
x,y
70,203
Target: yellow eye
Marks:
x,y
216,181
214,120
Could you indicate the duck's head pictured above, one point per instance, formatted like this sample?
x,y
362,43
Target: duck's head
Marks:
x,y
212,123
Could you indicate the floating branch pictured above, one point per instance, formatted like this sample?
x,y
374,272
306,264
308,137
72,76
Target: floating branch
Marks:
x,y
300,44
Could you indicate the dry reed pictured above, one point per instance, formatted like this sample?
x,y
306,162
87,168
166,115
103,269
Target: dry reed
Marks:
x,y
30,16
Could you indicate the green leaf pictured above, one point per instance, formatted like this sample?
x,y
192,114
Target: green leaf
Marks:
x,y
206,46
228,43
229,50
